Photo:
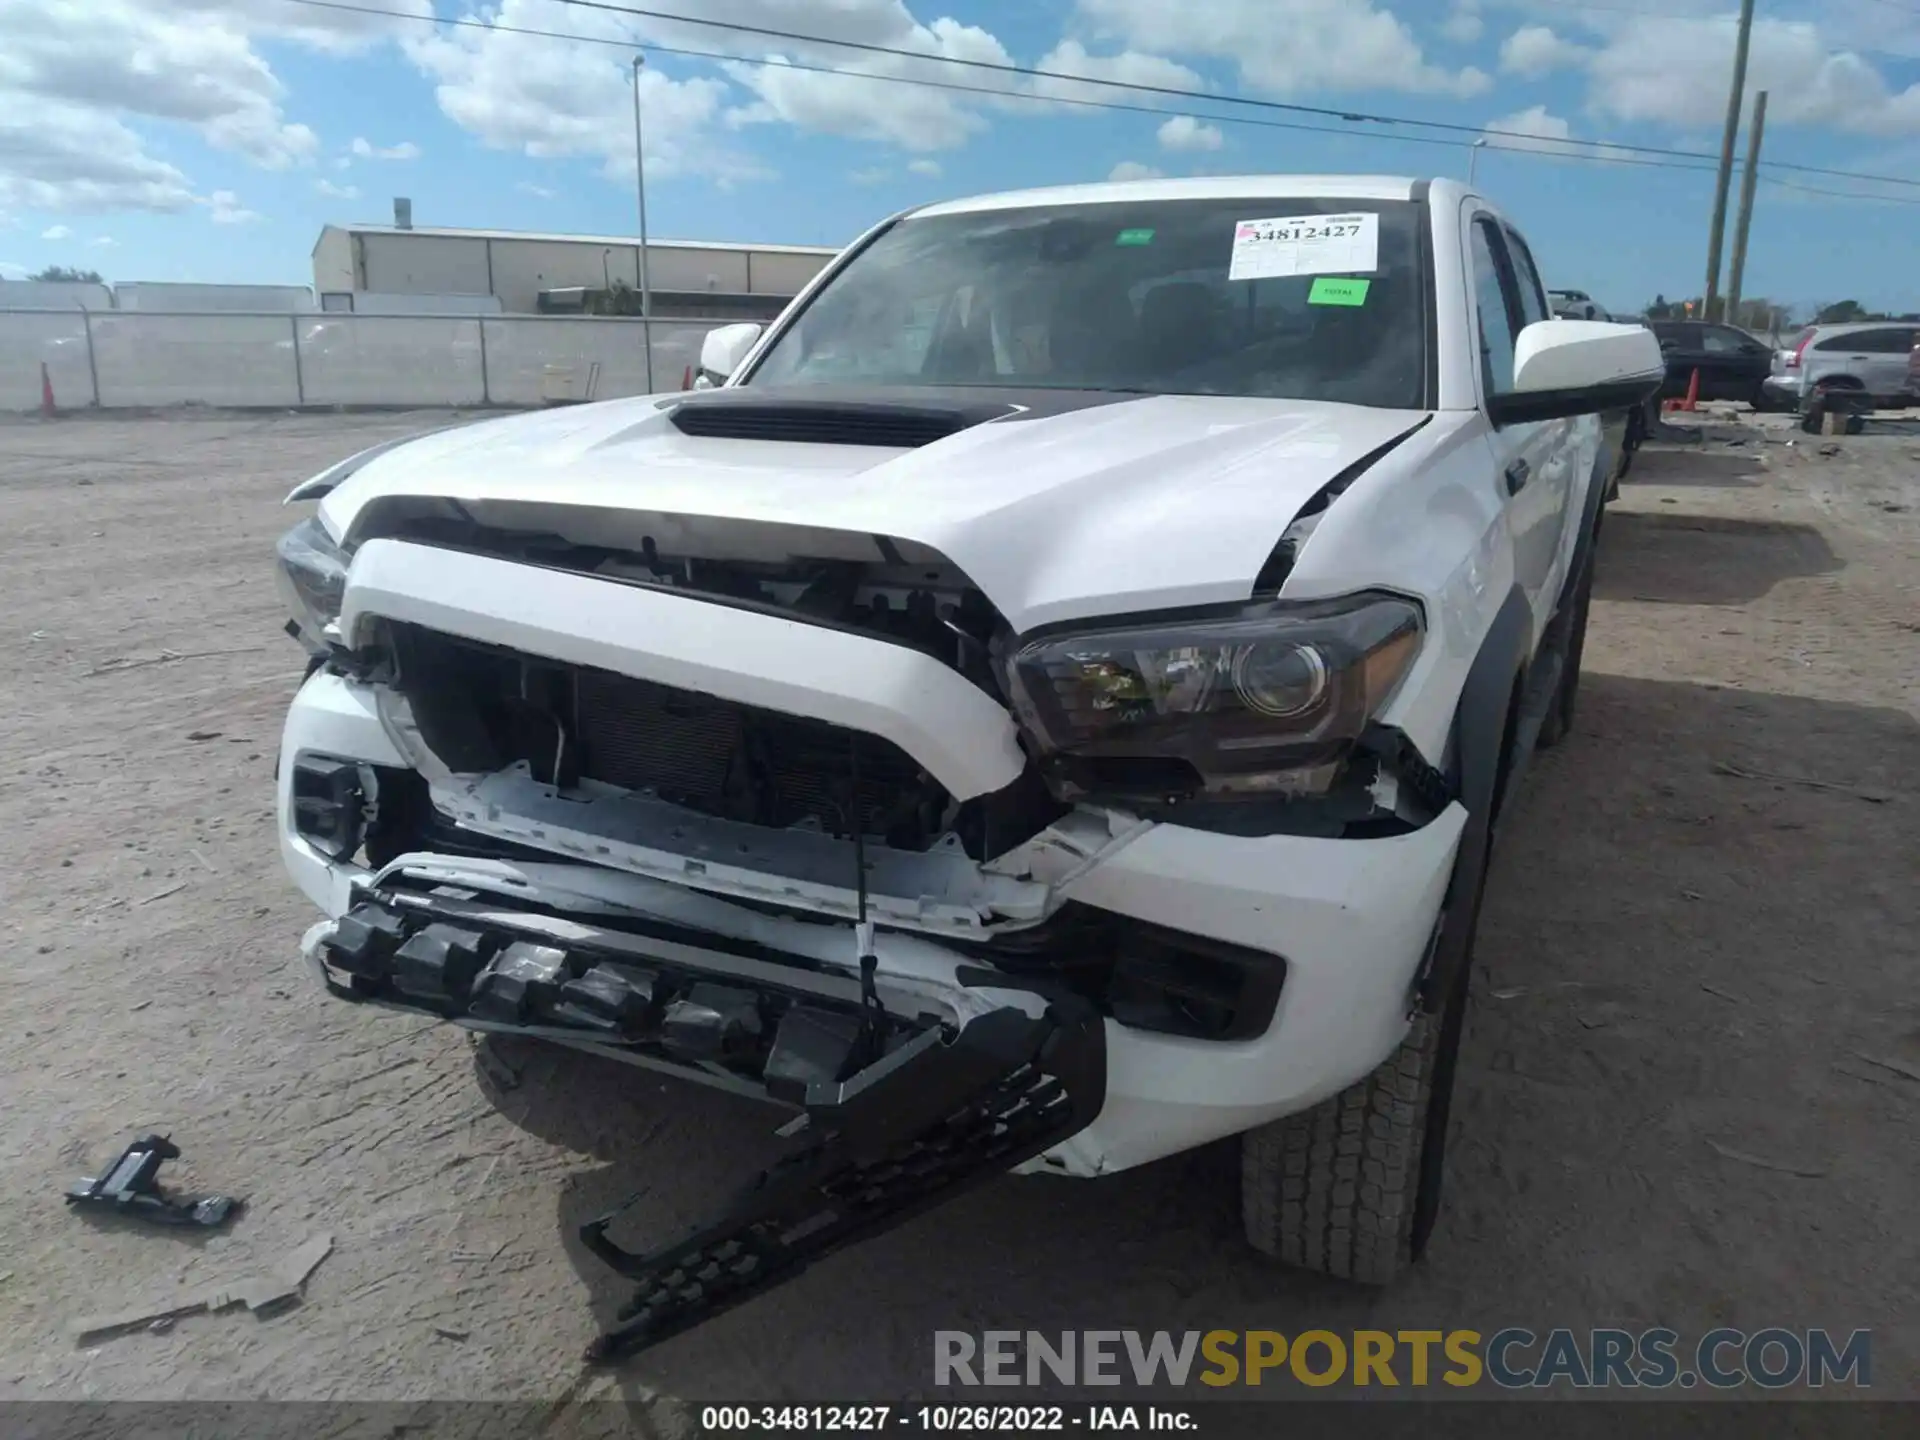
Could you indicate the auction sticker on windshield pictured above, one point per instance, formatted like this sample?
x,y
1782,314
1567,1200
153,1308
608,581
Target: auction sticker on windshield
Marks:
x,y
1305,245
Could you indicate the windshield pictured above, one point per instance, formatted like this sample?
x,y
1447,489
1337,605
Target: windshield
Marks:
x,y
1290,298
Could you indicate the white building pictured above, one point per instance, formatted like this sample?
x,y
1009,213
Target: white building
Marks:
x,y
689,279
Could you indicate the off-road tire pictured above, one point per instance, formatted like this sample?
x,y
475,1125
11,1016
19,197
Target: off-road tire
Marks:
x,y
1334,1188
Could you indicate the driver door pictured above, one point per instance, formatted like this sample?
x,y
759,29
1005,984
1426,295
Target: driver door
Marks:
x,y
1531,461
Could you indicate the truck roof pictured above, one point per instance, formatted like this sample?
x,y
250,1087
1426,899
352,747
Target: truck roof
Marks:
x,y
1200,187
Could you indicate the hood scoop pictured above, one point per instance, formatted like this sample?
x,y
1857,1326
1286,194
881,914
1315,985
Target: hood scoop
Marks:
x,y
901,425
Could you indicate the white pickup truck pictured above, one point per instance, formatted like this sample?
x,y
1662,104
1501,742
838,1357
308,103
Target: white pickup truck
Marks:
x,y
1049,707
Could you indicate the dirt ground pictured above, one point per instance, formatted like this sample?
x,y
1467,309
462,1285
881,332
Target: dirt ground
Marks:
x,y
1687,1093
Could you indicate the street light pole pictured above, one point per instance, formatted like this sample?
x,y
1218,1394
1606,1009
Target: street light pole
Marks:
x,y
640,180
1473,157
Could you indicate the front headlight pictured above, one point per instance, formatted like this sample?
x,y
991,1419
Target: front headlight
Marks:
x,y
312,575
1265,702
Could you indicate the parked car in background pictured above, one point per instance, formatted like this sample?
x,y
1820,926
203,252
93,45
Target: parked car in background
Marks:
x,y
1575,305
1733,365
1873,357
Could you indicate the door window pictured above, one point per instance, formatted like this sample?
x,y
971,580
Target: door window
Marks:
x,y
1497,307
1883,342
1533,297
1719,340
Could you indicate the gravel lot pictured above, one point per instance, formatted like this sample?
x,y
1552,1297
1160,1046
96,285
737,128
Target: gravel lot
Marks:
x,y
1682,1099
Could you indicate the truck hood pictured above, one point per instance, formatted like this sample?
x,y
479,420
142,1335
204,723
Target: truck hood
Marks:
x,y
1066,508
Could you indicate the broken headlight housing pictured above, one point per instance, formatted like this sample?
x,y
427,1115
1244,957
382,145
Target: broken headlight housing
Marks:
x,y
1265,702
312,575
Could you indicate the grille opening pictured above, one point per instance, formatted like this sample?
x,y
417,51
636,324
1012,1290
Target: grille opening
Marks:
x,y
481,709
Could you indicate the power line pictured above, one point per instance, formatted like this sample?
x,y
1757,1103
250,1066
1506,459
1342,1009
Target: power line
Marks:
x,y
1536,145
1605,152
1840,194
1031,72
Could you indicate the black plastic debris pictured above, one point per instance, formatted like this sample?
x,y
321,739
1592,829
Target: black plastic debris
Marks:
x,y
712,1022
811,1047
612,997
363,941
518,983
440,962
131,1187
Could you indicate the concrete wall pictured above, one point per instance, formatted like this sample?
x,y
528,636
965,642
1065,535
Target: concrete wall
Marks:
x,y
517,269
123,359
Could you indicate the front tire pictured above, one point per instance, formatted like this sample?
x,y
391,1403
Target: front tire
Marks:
x,y
1336,1189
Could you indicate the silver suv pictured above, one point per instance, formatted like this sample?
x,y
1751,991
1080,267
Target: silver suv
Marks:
x,y
1870,357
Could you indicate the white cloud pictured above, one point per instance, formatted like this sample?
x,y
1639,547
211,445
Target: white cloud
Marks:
x,y
1127,67
366,150
928,168
337,192
1650,71
1286,47
67,157
539,192
1183,132
1464,25
13,270
913,117
224,208
553,98
1534,51
57,232
342,162
184,62
1133,170
103,242
1537,130
873,175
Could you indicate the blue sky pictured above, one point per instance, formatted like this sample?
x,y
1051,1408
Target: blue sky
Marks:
x,y
209,139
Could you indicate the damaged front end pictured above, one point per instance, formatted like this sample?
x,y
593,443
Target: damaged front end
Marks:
x,y
905,1095
809,826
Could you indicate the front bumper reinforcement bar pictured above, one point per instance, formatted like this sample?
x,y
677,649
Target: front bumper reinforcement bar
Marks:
x,y
948,1104
941,1115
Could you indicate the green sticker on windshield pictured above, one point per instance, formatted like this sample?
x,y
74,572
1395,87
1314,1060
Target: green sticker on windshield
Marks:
x,y
1134,237
1329,291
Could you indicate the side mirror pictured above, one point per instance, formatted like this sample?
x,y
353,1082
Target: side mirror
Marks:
x,y
722,351
1578,367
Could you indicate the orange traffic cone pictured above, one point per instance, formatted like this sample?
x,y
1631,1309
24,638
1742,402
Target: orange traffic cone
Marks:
x,y
46,392
686,378
1693,391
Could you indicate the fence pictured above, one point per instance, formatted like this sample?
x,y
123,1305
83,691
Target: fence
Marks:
x,y
149,358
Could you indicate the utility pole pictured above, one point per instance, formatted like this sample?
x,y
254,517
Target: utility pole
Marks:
x,y
1473,156
1740,226
1736,98
640,179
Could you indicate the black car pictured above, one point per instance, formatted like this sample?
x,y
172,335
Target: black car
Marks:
x,y
1733,364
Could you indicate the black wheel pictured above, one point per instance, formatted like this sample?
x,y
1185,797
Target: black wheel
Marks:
x,y
1351,1188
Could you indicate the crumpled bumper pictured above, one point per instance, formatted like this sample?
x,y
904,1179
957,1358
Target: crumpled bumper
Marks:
x,y
1353,920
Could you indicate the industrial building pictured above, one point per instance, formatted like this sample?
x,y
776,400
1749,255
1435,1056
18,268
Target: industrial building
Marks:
x,y
689,280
